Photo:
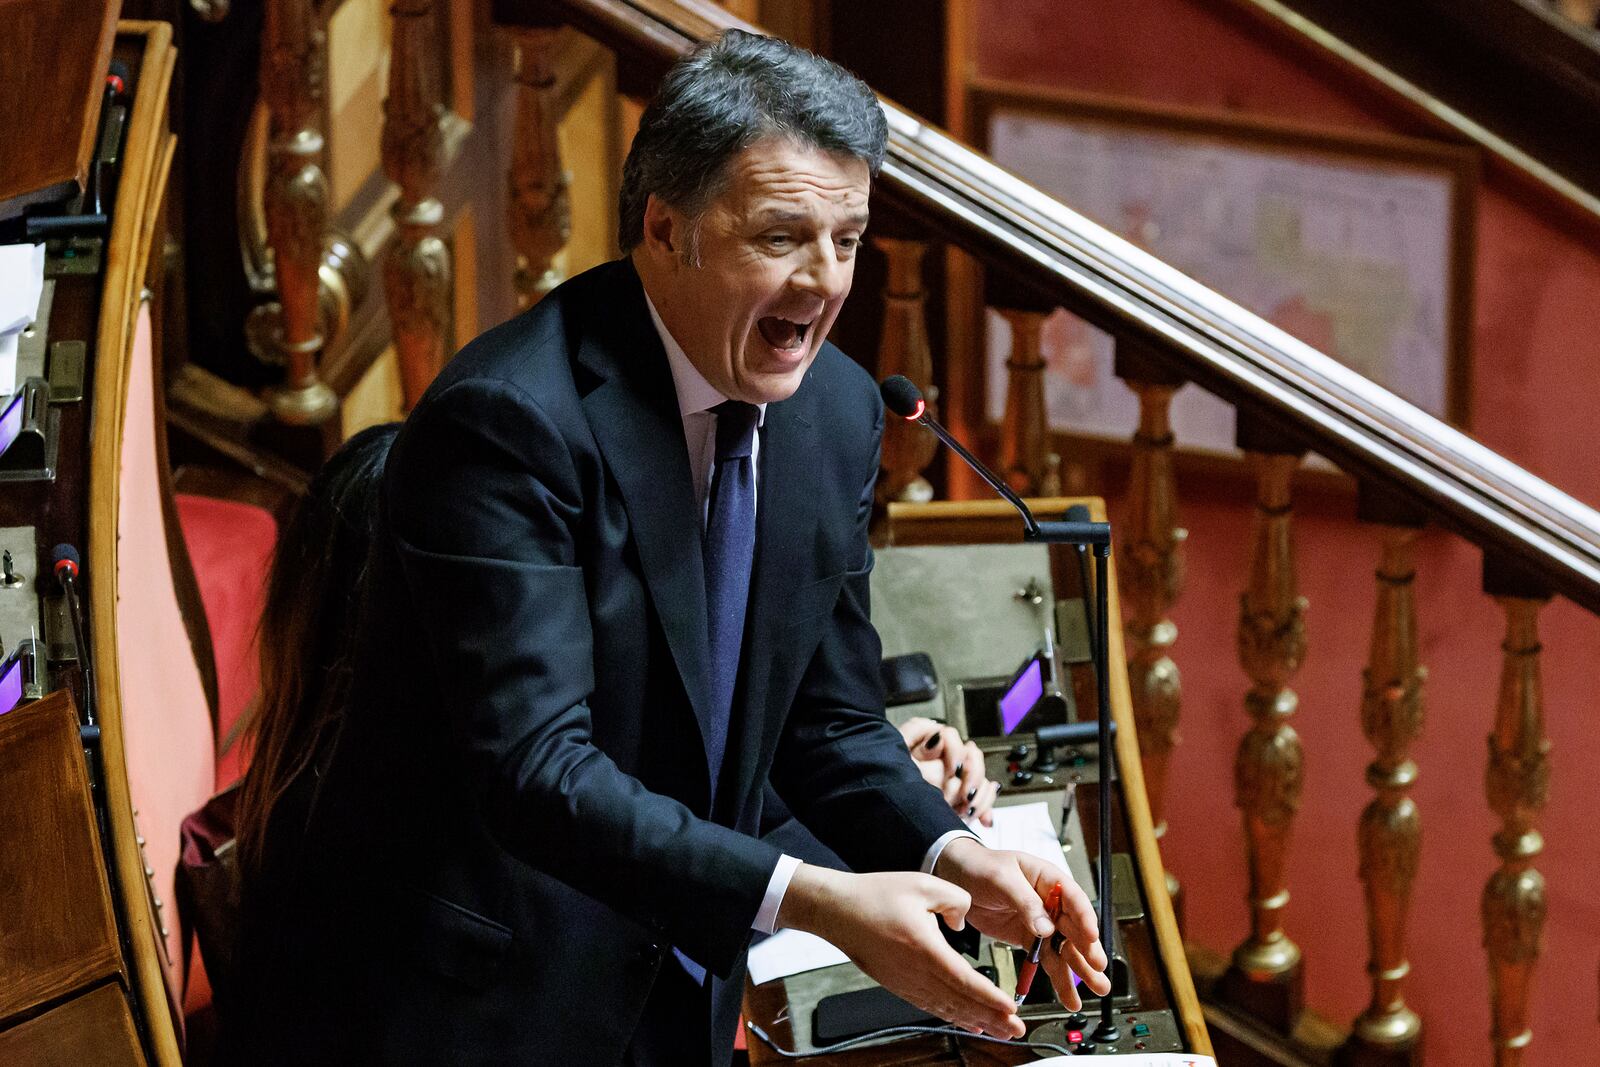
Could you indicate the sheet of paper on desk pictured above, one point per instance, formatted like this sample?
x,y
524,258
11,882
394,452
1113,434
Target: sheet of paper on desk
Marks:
x,y
791,952
1024,828
21,283
8,364
1139,1059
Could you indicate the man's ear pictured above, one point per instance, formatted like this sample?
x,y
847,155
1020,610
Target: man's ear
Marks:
x,y
663,235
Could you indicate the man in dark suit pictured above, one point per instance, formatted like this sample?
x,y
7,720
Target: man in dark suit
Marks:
x,y
622,582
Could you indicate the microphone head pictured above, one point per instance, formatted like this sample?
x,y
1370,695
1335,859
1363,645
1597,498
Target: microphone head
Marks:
x,y
117,76
1078,513
901,396
64,558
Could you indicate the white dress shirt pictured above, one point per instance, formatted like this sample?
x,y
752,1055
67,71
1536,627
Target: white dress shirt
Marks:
x,y
696,398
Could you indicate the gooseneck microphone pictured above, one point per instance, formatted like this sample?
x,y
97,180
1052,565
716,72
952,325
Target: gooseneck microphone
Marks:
x,y
901,396
64,564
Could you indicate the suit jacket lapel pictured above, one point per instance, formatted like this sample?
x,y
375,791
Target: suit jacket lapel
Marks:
x,y
634,416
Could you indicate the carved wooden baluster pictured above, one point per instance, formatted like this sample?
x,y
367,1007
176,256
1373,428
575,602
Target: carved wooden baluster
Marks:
x,y
1517,783
538,211
1152,578
1026,462
416,271
1390,831
295,202
904,349
1266,976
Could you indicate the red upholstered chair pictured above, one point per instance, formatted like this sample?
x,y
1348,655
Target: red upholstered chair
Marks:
x,y
230,544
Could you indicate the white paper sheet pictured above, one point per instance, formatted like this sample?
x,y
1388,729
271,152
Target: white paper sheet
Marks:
x,y
1024,828
791,952
8,364
21,283
1138,1059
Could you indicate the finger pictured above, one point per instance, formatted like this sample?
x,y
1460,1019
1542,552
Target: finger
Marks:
x,y
951,750
1024,886
977,1000
983,807
1061,977
1077,921
953,797
948,901
932,772
922,737
972,776
1066,962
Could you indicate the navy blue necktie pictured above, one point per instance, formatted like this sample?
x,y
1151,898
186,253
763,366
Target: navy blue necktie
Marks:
x,y
730,549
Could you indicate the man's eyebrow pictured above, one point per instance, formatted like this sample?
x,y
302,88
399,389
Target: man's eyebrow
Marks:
x,y
783,216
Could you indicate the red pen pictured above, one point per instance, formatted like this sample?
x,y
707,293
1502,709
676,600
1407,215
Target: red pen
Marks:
x,y
1052,904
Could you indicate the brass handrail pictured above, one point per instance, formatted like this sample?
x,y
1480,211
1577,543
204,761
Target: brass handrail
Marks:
x,y
1012,226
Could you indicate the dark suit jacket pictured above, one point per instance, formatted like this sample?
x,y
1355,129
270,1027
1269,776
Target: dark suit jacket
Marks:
x,y
517,822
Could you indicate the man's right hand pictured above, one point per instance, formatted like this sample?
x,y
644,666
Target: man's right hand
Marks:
x,y
886,924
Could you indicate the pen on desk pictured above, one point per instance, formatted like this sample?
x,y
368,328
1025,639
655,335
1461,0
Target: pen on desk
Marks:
x,y
1052,904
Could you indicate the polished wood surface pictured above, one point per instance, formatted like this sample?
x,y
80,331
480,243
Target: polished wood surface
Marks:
x,y
538,213
903,349
60,935
52,82
417,268
95,1028
1026,461
146,157
295,200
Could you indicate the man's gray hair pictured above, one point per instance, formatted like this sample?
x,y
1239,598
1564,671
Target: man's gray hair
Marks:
x,y
723,97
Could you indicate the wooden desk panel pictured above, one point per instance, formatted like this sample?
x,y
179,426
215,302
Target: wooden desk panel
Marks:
x,y
59,935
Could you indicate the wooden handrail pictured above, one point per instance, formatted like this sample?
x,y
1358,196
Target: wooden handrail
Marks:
x,y
1189,329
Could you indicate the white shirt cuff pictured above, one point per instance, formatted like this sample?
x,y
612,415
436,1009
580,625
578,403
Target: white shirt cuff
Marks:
x,y
767,915
932,858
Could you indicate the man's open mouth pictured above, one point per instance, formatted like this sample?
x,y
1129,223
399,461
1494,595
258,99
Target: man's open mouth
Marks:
x,y
785,335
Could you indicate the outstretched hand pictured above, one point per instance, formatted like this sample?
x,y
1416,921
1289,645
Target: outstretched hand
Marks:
x,y
1007,891
886,924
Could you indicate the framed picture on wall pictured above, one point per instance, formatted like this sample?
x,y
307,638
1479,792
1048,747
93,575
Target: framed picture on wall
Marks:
x,y
1358,245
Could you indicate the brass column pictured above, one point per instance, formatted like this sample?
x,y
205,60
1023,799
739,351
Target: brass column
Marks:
x,y
1265,978
1389,836
1517,783
1152,579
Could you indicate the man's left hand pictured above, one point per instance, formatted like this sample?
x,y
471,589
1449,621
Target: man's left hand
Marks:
x,y
1008,891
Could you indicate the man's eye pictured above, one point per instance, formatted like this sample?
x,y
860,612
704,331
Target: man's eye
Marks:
x,y
849,244
778,240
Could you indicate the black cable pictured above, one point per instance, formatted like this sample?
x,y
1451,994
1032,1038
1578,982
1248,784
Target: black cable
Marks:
x,y
899,1033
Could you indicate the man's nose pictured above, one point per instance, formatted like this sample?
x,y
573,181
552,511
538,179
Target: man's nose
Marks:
x,y
824,273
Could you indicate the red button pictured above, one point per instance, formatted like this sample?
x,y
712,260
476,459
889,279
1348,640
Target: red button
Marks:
x,y
1074,1037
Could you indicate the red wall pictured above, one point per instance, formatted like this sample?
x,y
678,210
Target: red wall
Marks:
x,y
1536,346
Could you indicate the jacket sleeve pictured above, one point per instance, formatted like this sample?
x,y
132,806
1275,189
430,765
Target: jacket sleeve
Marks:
x,y
840,766
482,500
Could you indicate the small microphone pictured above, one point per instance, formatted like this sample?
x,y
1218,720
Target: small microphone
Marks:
x,y
901,396
64,563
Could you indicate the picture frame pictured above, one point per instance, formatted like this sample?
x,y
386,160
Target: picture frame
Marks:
x,y
1359,244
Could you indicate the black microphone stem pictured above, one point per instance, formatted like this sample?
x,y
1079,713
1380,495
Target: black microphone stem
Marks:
x,y
1107,1030
995,482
